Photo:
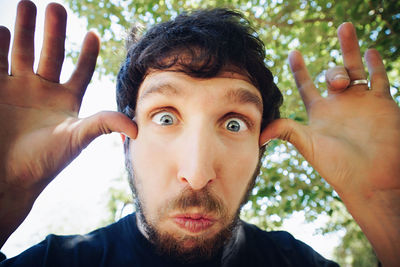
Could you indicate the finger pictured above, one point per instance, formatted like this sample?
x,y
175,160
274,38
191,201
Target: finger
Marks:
x,y
52,55
303,80
377,72
337,79
351,52
288,130
22,55
83,72
104,123
4,47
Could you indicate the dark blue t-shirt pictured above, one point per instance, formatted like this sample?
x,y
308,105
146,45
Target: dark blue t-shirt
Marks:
x,y
122,244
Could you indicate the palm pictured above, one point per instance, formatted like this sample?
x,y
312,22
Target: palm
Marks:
x,y
40,132
351,130
46,115
353,141
353,136
39,127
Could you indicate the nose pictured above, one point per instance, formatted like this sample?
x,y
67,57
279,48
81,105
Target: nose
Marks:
x,y
197,166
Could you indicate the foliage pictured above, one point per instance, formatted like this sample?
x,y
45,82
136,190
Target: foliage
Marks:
x,y
119,200
287,183
355,250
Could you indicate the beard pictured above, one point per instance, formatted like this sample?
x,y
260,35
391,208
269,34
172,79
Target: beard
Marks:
x,y
187,248
175,248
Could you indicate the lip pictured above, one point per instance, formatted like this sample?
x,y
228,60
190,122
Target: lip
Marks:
x,y
194,223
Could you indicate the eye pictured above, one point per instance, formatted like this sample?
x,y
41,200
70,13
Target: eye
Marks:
x,y
235,125
164,118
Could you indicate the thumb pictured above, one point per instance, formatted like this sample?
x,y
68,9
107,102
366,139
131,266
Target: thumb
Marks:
x,y
104,122
288,130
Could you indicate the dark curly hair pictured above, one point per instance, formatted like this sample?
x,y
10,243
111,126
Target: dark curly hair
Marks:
x,y
200,44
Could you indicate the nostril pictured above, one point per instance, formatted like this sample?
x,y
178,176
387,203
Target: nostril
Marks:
x,y
195,182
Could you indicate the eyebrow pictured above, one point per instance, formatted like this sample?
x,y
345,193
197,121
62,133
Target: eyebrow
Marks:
x,y
244,96
163,89
234,95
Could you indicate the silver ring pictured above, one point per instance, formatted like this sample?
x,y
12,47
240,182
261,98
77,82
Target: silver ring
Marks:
x,y
358,82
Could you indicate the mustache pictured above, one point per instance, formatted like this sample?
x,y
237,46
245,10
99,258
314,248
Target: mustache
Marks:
x,y
203,199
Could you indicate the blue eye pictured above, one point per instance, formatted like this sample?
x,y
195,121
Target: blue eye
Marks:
x,y
164,118
235,125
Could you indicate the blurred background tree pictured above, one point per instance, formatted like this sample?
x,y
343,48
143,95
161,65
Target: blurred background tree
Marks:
x,y
287,183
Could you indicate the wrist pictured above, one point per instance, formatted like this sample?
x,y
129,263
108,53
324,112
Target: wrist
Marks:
x,y
378,215
15,205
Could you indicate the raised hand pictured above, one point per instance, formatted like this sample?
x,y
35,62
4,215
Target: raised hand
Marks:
x,y
353,141
40,132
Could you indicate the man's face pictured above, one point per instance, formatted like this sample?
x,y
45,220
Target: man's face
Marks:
x,y
194,157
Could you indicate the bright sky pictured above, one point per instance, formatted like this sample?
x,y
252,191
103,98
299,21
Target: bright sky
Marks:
x,y
75,202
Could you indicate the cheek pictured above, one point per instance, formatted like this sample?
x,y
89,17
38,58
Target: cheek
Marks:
x,y
238,172
153,168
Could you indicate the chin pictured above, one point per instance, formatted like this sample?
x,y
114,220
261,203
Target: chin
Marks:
x,y
191,248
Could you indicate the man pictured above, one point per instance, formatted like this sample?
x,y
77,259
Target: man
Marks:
x,y
203,106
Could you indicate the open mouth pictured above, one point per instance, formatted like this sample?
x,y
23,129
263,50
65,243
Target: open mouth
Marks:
x,y
194,223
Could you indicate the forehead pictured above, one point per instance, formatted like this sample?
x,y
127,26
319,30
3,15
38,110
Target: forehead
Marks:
x,y
227,86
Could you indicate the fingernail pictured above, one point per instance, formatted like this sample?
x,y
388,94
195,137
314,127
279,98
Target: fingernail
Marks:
x,y
266,143
341,77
